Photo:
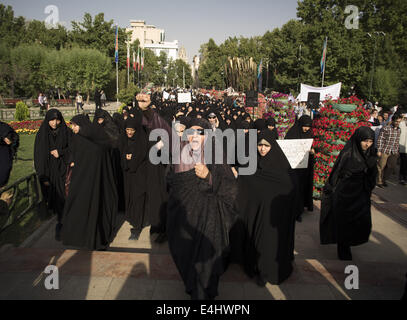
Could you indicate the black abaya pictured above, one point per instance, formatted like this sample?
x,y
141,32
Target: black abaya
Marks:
x,y
135,175
51,170
345,207
90,212
200,216
305,177
266,202
7,152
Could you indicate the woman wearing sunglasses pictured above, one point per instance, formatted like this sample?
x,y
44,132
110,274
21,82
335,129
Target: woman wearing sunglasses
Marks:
x,y
200,207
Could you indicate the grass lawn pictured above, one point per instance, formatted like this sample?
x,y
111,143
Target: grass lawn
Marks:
x,y
24,165
25,158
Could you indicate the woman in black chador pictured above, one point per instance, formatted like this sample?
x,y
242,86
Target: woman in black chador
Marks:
x,y
9,142
200,210
134,157
112,130
266,202
302,129
51,160
345,210
90,212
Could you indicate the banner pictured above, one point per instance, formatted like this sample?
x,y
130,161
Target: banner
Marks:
x,y
184,97
296,151
166,95
333,91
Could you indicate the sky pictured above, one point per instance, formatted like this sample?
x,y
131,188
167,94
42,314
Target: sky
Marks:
x,y
191,22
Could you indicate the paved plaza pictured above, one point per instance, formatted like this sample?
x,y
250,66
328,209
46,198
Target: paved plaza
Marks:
x,y
144,270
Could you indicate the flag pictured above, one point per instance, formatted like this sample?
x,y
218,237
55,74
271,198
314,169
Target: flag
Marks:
x,y
128,55
116,52
142,60
259,77
134,61
323,59
259,69
138,59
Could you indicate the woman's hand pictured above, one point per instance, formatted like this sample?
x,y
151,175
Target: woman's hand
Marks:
x,y
7,141
234,172
72,164
201,171
128,156
55,153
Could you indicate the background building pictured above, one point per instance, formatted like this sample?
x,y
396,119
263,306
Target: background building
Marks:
x,y
152,38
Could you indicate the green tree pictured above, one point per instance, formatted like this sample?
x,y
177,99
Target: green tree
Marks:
x,y
211,70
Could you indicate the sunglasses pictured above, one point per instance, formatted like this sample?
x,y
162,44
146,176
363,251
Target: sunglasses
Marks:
x,y
192,132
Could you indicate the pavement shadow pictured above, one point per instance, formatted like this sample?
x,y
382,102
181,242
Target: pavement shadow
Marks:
x,y
378,279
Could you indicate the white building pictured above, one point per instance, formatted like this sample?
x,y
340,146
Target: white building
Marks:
x,y
170,48
152,38
146,34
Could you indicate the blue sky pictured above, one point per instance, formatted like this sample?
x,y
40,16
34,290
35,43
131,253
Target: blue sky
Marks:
x,y
191,22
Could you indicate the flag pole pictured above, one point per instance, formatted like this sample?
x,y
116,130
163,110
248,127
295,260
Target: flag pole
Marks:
x,y
128,62
117,66
323,73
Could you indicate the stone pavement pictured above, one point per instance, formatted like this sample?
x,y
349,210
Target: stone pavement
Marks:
x,y
144,270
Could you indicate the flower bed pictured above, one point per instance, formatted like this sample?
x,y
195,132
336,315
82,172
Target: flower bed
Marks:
x,y
331,132
26,127
282,111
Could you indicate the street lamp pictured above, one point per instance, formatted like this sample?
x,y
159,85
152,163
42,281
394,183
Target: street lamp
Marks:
x,y
374,57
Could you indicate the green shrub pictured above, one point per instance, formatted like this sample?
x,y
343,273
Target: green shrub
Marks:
x,y
22,112
120,110
126,95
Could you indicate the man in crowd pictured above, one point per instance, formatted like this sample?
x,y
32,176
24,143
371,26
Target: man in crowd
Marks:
x,y
388,150
79,102
41,102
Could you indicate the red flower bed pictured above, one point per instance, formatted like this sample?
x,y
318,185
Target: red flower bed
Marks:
x,y
331,132
27,127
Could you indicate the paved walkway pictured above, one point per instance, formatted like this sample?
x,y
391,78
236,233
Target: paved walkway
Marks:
x,y
144,270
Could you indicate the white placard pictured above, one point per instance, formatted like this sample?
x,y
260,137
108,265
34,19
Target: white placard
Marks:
x,y
184,97
166,95
334,91
296,151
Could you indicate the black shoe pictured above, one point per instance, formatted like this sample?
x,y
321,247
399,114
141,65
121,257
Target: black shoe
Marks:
x,y
380,186
385,184
404,183
299,219
344,253
260,281
162,237
310,209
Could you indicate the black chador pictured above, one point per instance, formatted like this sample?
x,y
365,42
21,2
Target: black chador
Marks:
x,y
51,160
266,205
134,157
113,132
305,176
90,211
8,151
200,214
345,207
157,195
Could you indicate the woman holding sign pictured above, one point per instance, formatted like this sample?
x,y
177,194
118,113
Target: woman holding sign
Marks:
x,y
302,130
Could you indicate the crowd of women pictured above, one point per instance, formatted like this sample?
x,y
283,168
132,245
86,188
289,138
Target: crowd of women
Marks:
x,y
209,214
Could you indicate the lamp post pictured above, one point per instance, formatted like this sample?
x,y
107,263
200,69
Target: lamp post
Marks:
x,y
374,58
